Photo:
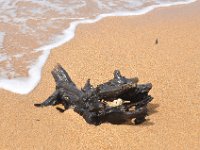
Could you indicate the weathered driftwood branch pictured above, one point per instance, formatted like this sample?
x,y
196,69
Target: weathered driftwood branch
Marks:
x,y
108,102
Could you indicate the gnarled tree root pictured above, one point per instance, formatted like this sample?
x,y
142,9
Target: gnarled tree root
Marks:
x,y
94,103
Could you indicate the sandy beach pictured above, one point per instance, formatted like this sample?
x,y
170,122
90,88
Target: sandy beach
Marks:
x,y
127,44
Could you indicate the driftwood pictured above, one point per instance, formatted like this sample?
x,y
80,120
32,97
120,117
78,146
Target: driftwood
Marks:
x,y
112,101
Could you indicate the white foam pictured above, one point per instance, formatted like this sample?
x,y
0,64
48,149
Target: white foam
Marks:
x,y
3,57
2,34
26,85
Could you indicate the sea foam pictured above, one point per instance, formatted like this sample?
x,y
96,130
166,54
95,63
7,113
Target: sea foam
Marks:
x,y
2,34
35,19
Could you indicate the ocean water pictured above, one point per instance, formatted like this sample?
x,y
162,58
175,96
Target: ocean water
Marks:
x,y
29,29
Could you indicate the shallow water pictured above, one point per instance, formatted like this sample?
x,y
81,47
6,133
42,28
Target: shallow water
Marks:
x,y
29,29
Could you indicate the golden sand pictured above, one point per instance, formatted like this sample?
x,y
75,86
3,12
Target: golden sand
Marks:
x,y
128,44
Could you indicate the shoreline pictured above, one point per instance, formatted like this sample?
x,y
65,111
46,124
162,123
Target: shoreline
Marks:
x,y
127,44
30,81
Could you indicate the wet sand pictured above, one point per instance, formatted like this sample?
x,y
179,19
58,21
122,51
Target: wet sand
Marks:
x,y
126,43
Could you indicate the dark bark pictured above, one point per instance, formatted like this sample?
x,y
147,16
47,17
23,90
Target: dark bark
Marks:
x,y
93,103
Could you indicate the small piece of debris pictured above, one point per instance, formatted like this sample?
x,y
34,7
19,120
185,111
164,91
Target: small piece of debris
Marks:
x,y
156,42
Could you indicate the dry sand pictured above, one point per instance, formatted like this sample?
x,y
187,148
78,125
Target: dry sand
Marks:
x,y
128,44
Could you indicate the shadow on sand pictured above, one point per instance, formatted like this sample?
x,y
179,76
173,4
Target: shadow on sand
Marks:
x,y
151,110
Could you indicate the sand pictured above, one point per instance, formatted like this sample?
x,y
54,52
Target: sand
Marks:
x,y
128,44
